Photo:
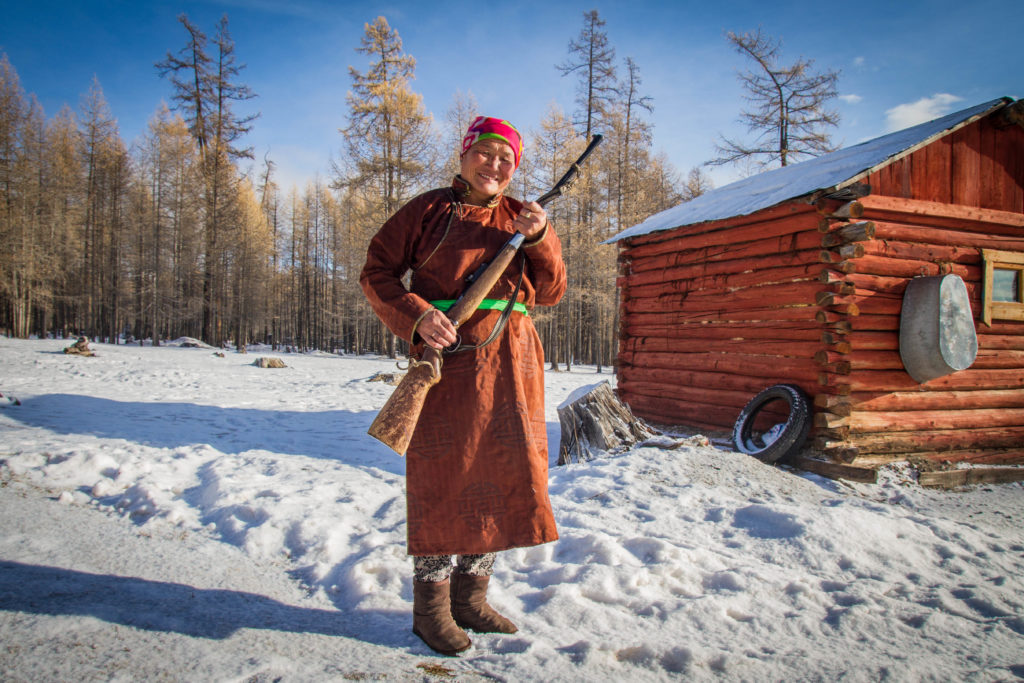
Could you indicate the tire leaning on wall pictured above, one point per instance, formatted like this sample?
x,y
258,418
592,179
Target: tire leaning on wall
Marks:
x,y
792,433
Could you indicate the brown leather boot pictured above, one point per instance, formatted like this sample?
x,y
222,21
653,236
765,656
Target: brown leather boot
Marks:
x,y
470,609
432,619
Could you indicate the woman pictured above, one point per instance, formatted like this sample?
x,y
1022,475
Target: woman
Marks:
x,y
476,475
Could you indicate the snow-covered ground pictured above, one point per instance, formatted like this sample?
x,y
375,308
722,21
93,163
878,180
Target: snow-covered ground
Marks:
x,y
169,514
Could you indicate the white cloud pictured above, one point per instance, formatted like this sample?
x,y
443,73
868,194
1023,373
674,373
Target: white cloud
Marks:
x,y
925,109
851,99
859,61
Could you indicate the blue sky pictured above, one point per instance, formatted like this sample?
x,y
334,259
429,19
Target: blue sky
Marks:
x,y
901,63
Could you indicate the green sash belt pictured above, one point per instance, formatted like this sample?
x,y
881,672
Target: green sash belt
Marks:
x,y
486,304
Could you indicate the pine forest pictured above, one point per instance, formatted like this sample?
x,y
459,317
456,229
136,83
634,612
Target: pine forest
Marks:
x,y
169,237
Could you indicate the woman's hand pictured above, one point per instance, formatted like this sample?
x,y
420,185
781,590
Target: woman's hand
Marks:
x,y
531,220
436,330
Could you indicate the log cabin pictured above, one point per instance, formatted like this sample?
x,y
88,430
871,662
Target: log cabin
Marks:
x,y
798,276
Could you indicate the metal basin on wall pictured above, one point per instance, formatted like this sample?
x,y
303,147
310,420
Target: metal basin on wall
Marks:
x,y
937,335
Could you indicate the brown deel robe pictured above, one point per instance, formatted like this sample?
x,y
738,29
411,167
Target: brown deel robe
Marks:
x,y
477,470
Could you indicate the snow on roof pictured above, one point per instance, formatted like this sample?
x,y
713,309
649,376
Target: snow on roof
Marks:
x,y
827,172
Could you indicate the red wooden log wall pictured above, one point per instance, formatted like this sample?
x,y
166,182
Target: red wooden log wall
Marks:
x,y
714,312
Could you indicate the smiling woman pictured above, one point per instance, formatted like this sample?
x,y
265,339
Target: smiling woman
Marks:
x,y
476,476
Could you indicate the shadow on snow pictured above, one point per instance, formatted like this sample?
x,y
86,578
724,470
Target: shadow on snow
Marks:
x,y
178,608
334,435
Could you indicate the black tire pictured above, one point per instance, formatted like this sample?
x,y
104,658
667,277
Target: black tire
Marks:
x,y
793,433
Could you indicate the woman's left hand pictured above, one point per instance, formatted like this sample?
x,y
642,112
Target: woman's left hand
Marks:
x,y
531,220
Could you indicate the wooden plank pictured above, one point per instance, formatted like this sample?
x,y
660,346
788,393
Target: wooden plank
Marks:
x,y
726,314
937,400
750,385
748,274
746,364
733,254
966,171
948,479
962,419
936,441
922,213
834,470
780,212
938,162
774,330
920,252
790,347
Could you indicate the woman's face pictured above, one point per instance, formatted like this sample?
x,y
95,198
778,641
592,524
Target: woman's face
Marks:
x,y
488,166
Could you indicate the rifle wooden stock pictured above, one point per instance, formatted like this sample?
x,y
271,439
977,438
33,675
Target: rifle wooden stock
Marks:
x,y
396,421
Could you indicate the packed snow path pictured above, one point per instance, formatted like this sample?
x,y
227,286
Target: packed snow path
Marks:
x,y
169,514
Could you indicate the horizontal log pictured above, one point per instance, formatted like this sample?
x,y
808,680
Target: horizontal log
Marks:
x,y
937,400
950,479
938,440
989,456
894,286
792,348
885,230
965,380
726,253
748,384
834,470
698,396
874,264
862,340
669,411
705,277
774,330
733,363
736,315
875,323
935,253
783,218
877,421
788,293
943,215
999,341
872,360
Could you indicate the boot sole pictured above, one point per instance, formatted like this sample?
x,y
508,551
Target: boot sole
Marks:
x,y
447,653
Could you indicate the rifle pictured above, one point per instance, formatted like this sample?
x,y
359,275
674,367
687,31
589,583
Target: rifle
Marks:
x,y
396,421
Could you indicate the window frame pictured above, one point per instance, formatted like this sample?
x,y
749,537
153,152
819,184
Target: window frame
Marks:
x,y
993,260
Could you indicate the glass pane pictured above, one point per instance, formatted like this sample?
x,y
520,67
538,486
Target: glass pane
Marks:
x,y
1005,285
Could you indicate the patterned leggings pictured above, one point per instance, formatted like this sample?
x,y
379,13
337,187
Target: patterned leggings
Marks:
x,y
435,568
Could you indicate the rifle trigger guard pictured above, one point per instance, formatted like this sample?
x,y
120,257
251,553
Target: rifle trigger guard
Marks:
x,y
454,346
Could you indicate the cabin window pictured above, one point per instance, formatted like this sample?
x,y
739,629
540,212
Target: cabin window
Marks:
x,y
1003,286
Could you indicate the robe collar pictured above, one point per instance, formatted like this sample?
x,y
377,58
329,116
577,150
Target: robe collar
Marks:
x,y
462,190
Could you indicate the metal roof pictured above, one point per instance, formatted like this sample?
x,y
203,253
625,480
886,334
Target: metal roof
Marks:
x,y
830,172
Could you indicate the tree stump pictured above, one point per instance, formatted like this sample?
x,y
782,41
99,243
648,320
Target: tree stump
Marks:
x,y
264,362
80,348
594,421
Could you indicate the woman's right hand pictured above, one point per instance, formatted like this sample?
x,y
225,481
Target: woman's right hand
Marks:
x,y
437,330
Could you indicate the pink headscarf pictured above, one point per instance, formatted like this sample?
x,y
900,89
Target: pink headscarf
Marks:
x,y
485,127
